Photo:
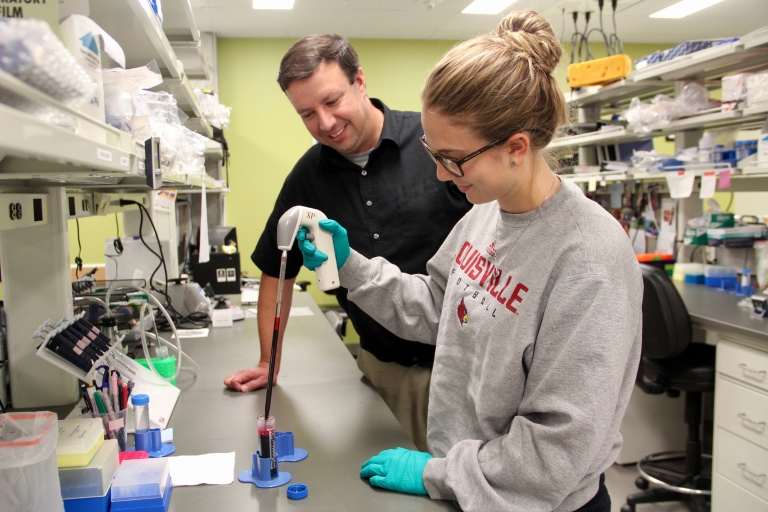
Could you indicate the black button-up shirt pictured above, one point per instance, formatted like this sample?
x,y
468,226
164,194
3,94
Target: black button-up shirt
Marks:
x,y
395,208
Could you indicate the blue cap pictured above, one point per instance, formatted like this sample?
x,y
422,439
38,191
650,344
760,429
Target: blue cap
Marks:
x,y
297,491
140,399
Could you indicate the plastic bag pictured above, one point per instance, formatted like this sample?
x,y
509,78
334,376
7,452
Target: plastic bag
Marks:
x,y
644,117
120,88
648,160
30,51
216,113
29,476
757,89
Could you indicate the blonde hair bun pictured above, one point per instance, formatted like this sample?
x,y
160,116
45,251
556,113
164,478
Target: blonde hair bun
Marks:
x,y
529,33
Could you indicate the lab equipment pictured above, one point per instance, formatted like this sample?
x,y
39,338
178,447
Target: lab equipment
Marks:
x,y
140,413
260,473
114,426
143,484
151,441
706,148
28,475
78,441
267,442
288,226
286,451
720,276
93,479
745,287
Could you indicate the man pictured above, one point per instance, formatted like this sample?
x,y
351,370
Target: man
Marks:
x,y
371,174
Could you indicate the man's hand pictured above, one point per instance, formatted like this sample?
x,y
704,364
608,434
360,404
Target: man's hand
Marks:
x,y
250,379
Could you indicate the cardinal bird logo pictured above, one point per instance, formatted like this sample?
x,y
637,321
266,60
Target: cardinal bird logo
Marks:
x,y
462,312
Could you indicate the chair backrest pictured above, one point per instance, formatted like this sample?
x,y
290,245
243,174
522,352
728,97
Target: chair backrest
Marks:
x,y
666,323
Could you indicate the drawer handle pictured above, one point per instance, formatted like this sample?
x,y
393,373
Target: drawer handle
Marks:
x,y
754,476
754,425
752,374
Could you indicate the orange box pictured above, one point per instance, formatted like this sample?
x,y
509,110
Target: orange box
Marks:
x,y
599,71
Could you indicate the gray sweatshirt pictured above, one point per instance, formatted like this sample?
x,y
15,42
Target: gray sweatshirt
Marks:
x,y
534,365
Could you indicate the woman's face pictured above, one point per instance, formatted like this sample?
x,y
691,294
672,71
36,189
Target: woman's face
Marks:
x,y
487,177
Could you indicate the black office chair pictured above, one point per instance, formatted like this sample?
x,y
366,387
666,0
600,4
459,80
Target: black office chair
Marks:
x,y
671,364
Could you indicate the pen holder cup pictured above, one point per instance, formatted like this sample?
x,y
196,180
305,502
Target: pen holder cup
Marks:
x,y
114,427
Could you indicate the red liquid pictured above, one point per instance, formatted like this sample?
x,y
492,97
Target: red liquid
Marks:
x,y
267,448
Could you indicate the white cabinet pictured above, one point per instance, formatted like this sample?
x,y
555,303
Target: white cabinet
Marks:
x,y
740,472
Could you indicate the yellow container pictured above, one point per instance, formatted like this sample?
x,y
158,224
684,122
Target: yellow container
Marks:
x,y
78,442
599,71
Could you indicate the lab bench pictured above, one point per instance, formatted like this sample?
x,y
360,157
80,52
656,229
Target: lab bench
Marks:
x,y
740,454
320,396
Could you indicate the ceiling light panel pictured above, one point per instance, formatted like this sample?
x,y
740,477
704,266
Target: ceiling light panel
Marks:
x,y
684,8
487,6
273,4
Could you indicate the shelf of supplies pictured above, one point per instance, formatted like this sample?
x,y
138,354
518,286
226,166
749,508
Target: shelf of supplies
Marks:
x,y
597,138
756,38
213,150
26,137
709,63
190,53
138,31
756,110
179,21
200,126
703,121
623,90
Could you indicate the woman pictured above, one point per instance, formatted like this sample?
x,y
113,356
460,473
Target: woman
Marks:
x,y
533,301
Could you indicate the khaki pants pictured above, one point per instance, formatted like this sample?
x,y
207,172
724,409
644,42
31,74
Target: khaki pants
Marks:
x,y
405,389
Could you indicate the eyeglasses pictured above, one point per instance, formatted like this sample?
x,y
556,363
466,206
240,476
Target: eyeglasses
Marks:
x,y
453,165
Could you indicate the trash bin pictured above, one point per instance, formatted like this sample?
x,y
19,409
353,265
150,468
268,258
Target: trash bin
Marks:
x,y
29,476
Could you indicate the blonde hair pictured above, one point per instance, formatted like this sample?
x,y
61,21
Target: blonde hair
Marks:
x,y
501,83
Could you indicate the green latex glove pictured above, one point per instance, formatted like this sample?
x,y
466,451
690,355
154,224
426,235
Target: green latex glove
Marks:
x,y
398,470
314,258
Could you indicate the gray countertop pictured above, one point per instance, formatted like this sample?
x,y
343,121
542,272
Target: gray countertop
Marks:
x,y
320,396
713,309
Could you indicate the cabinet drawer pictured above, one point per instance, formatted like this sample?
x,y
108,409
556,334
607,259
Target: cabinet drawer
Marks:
x,y
743,363
742,411
729,497
742,462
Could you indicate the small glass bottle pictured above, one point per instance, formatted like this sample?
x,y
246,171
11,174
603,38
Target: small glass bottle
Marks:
x,y
140,412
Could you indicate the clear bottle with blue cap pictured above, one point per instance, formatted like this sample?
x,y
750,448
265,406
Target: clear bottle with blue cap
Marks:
x,y
141,412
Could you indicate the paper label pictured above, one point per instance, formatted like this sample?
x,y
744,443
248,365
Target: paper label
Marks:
x,y
680,184
725,179
103,154
165,200
116,424
708,182
125,161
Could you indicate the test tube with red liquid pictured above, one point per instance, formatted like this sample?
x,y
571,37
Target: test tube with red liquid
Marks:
x,y
267,442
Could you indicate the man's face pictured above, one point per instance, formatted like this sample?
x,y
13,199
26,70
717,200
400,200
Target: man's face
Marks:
x,y
334,111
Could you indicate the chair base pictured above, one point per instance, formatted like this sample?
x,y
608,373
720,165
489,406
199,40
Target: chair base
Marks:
x,y
668,470
696,503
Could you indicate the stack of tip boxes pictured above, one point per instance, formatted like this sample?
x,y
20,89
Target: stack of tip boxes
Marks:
x,y
142,485
87,465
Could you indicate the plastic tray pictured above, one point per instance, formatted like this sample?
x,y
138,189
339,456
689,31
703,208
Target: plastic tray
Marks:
x,y
140,479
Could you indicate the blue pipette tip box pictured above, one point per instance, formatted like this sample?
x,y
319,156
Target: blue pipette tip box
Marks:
x,y
143,484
